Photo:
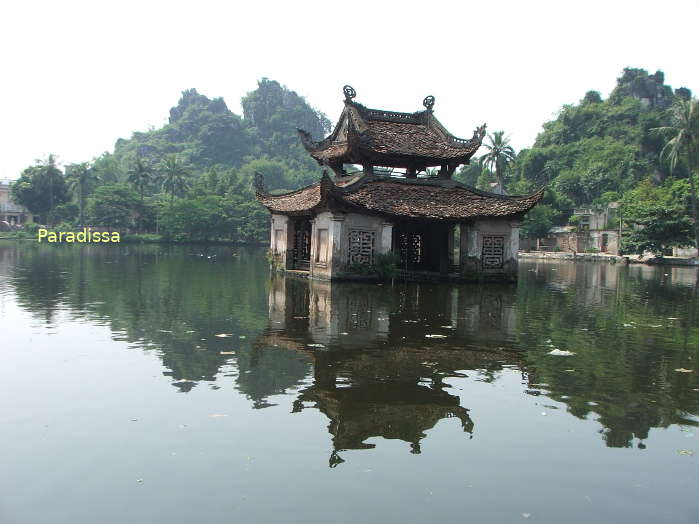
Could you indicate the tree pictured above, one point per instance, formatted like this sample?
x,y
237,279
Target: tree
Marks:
x,y
683,133
201,218
499,156
107,168
538,221
174,176
40,188
112,205
657,217
79,179
140,178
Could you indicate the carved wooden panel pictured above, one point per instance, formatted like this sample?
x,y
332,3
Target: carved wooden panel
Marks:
x,y
361,246
302,246
493,252
410,245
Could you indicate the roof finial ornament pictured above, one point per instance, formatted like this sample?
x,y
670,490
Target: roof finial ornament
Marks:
x,y
349,92
428,102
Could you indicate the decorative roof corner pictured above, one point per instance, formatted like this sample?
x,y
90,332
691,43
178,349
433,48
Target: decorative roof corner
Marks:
x,y
258,184
479,133
326,187
306,139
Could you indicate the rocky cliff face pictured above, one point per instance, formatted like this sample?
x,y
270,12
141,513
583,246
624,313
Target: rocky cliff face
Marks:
x,y
649,89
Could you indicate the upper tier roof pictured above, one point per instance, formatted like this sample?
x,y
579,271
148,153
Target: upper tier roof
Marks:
x,y
397,197
389,138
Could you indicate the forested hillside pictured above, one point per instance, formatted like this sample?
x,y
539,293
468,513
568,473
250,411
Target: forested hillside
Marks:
x,y
598,151
191,179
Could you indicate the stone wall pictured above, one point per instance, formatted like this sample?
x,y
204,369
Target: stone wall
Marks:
x,y
332,260
281,241
472,239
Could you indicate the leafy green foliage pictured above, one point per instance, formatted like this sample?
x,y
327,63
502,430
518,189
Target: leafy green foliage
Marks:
x,y
201,218
40,188
81,180
112,206
601,151
657,216
386,265
174,175
499,156
538,221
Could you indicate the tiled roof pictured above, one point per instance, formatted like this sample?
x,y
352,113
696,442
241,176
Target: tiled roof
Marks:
x,y
391,138
412,198
435,200
296,202
412,140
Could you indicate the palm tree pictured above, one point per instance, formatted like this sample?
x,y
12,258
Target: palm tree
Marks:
x,y
140,177
499,156
683,134
173,173
79,178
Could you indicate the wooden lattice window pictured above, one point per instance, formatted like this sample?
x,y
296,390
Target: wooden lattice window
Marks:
x,y
493,252
361,246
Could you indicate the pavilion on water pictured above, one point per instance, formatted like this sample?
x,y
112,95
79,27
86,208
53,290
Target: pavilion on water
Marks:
x,y
439,228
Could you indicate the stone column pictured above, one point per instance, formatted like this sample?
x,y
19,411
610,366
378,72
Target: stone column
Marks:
x,y
337,258
288,244
511,261
470,260
386,240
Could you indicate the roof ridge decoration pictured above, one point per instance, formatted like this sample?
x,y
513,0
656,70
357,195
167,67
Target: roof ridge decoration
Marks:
x,y
349,92
381,137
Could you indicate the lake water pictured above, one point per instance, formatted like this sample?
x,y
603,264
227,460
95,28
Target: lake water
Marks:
x,y
341,403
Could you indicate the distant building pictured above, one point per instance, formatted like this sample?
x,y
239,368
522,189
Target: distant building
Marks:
x,y
438,228
597,230
10,212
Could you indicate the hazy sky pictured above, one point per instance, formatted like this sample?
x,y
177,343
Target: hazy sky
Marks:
x,y
78,75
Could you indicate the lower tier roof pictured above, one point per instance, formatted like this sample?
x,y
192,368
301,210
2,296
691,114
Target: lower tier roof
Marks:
x,y
389,196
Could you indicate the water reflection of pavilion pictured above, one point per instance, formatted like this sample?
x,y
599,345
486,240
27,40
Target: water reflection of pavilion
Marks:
x,y
376,374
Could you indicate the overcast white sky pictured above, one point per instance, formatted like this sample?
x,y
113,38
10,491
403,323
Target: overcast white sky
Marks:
x,y
78,75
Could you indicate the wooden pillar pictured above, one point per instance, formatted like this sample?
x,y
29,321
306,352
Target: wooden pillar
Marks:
x,y
443,249
444,171
411,173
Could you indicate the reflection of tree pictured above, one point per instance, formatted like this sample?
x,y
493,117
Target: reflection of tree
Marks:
x,y
39,281
160,298
626,346
377,374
